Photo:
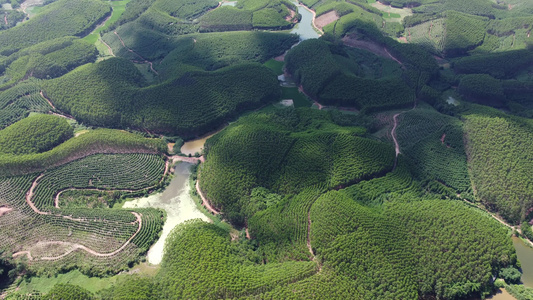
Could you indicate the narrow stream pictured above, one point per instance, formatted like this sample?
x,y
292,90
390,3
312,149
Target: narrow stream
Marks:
x,y
525,256
305,28
197,145
178,204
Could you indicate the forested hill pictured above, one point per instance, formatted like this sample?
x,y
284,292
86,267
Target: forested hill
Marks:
x,y
390,157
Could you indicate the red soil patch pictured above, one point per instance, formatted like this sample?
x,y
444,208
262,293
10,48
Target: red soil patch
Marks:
x,y
326,19
205,202
290,16
351,40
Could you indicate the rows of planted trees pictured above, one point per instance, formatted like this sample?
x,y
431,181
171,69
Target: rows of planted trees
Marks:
x,y
113,95
284,153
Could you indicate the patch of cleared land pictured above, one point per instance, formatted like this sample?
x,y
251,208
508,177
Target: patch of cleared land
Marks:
x,y
391,12
4,210
326,19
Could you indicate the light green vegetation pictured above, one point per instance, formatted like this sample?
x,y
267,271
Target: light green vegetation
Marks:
x,y
282,154
274,65
46,60
45,284
62,18
35,134
118,8
499,157
102,172
250,14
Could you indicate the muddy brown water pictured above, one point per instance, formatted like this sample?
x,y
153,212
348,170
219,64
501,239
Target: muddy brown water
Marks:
x,y
178,204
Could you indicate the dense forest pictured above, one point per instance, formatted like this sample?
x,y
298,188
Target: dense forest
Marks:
x,y
388,158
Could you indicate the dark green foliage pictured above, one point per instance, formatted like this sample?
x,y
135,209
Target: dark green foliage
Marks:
x,y
17,102
60,62
319,72
463,32
185,9
65,291
448,238
367,94
193,104
356,242
287,152
434,144
134,9
498,65
324,285
48,59
510,275
35,134
312,65
62,18
499,154
375,191
216,50
200,262
482,88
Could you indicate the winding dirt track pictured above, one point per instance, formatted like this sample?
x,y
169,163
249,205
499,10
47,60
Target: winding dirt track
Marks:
x,y
56,198
393,133
82,247
205,202
130,50
108,48
29,196
61,114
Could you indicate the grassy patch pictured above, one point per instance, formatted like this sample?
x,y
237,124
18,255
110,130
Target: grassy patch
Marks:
x,y
118,8
274,65
300,100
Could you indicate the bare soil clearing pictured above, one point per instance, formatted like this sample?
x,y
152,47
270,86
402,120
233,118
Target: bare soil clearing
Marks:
x,y
326,19
351,40
393,134
4,210
205,202
108,48
289,17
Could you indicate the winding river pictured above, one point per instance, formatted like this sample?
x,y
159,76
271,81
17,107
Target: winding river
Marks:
x,y
525,256
178,204
305,28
